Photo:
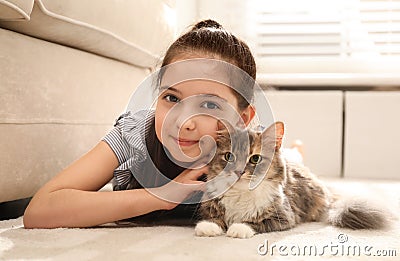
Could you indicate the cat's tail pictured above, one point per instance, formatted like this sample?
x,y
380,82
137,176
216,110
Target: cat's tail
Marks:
x,y
358,213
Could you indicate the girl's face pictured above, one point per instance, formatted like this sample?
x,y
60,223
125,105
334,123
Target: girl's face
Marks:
x,y
185,112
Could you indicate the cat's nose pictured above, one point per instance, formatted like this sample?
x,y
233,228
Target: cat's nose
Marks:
x,y
239,173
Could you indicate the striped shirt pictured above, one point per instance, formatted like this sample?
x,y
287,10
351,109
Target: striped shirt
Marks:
x,y
144,163
127,140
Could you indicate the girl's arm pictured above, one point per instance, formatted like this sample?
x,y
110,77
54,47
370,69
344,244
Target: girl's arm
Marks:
x,y
71,199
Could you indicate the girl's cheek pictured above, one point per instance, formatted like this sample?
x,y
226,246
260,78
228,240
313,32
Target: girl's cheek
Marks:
x,y
159,118
213,128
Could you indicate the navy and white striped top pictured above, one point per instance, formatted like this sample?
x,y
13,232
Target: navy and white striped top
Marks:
x,y
144,162
142,158
127,142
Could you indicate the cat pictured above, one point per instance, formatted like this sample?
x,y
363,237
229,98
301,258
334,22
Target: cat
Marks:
x,y
287,194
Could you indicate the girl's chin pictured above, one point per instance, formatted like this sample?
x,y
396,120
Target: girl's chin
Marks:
x,y
183,157
187,159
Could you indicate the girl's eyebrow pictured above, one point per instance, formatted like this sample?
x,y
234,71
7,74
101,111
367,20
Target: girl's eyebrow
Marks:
x,y
214,95
163,88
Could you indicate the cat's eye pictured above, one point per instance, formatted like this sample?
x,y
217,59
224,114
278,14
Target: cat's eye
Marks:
x,y
255,159
230,157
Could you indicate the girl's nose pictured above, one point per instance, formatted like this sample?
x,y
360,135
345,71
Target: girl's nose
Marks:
x,y
186,124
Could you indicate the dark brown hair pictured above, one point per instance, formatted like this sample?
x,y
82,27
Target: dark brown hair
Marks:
x,y
209,38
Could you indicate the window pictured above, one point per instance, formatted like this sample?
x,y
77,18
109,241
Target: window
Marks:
x,y
316,42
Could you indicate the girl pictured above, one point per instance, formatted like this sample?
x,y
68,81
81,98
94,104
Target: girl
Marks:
x,y
72,199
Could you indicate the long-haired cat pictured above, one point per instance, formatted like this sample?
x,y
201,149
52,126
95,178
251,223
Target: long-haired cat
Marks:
x,y
285,194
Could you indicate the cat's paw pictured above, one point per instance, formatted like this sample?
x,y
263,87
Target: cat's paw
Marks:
x,y
240,230
208,229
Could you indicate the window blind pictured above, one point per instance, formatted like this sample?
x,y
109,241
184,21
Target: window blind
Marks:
x,y
326,42
316,42
381,20
326,28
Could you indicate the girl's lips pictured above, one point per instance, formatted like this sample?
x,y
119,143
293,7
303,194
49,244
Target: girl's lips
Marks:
x,y
184,142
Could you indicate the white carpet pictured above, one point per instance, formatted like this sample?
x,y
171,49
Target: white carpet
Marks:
x,y
179,243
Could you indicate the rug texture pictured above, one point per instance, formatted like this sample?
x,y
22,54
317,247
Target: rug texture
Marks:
x,y
131,242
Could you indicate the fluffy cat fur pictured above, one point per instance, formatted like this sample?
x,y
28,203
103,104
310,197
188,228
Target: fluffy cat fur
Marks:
x,y
288,193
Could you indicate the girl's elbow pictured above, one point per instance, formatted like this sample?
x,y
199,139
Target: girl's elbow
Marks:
x,y
35,218
31,219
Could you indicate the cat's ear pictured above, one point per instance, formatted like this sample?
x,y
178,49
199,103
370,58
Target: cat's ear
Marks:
x,y
276,130
220,126
225,129
222,130
279,132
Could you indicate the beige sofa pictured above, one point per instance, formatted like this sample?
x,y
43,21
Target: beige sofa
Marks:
x,y
67,70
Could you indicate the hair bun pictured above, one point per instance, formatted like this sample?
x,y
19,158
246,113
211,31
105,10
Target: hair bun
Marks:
x,y
207,24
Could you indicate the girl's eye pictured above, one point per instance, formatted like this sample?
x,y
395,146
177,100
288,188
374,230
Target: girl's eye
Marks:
x,y
255,159
210,105
171,98
230,157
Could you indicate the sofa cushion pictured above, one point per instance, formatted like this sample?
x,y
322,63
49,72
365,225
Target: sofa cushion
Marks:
x,y
15,9
135,32
55,104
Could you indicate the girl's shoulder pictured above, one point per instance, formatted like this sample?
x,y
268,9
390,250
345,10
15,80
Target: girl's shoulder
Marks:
x,y
133,127
135,119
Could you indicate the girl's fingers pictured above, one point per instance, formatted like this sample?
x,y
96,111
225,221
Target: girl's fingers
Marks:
x,y
196,173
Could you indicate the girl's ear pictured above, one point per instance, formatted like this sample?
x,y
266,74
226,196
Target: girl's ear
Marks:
x,y
248,114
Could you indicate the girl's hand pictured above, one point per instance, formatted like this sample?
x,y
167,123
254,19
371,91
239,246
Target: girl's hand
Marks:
x,y
176,191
